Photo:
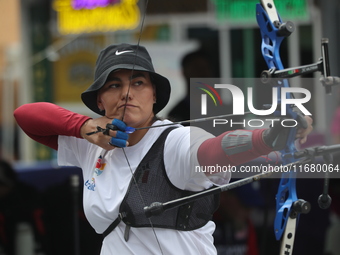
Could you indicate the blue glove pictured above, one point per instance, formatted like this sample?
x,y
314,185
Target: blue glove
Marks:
x,y
121,137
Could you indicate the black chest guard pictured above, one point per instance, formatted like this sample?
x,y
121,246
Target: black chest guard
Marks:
x,y
153,185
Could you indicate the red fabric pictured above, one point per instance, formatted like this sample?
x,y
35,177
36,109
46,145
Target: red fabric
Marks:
x,y
43,122
335,126
211,152
252,240
38,215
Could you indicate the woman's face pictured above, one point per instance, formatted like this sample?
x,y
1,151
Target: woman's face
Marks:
x,y
137,99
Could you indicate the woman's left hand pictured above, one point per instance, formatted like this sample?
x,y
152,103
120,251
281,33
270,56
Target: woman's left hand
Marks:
x,y
109,139
302,133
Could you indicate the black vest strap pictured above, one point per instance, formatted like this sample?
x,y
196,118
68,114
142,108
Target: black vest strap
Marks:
x,y
112,226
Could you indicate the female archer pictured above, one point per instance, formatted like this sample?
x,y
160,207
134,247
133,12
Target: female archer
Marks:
x,y
124,172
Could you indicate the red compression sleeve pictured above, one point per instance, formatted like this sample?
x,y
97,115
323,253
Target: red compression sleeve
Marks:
x,y
211,152
43,122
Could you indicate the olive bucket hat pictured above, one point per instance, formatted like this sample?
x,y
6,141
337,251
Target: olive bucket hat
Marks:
x,y
125,56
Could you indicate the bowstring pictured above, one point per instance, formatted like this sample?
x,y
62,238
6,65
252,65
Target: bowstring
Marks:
x,y
124,109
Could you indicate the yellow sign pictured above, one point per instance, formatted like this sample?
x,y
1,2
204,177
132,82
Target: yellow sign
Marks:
x,y
124,15
74,71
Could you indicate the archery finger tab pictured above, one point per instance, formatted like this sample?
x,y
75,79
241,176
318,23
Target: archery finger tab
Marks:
x,y
120,139
121,135
108,128
99,129
127,129
119,124
109,143
120,143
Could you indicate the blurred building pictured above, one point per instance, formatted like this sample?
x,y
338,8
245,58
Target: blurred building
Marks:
x,y
10,41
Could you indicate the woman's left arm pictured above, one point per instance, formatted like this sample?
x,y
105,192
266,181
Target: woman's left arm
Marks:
x,y
241,146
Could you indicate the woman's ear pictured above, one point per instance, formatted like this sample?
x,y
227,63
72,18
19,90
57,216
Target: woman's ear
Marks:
x,y
154,93
99,103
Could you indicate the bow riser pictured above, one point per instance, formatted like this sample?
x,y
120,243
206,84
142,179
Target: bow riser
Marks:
x,y
271,43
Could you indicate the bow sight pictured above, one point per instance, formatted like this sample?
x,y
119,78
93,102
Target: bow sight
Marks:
x,y
320,66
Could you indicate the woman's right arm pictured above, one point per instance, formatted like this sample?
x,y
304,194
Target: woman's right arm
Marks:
x,y
44,122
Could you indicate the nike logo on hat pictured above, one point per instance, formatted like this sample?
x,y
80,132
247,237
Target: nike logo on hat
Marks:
x,y
122,52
